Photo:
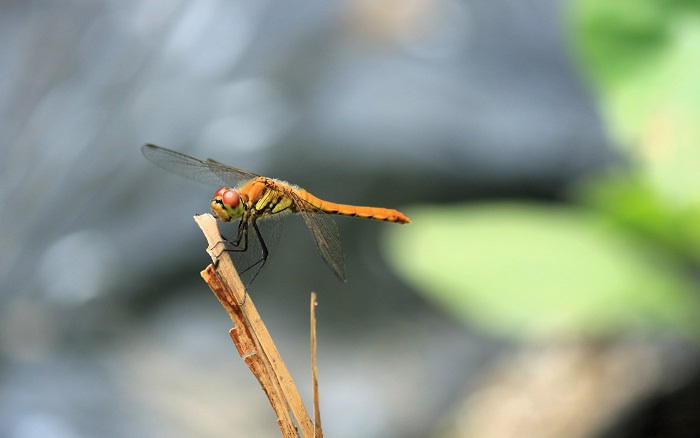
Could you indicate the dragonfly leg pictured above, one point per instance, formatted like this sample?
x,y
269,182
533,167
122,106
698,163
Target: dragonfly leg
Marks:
x,y
240,244
234,244
242,233
261,262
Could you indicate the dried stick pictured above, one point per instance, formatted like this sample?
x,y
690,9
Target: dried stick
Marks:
x,y
251,337
314,375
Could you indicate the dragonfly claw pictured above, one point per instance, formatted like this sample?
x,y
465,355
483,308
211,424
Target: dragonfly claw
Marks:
x,y
220,242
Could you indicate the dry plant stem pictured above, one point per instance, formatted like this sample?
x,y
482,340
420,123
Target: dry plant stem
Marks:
x,y
314,374
249,349
252,338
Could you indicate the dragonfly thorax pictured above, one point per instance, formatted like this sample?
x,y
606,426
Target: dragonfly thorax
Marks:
x,y
227,205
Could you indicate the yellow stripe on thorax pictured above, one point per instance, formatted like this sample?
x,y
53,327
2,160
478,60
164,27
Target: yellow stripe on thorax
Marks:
x,y
268,195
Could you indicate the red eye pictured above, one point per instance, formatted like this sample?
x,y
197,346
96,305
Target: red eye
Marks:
x,y
230,198
220,192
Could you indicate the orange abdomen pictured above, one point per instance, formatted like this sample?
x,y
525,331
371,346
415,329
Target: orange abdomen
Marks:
x,y
377,213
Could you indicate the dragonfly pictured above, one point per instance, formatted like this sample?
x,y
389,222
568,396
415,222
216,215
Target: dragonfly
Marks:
x,y
253,200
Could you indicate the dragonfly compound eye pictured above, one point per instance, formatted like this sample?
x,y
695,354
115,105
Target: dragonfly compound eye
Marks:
x,y
230,198
221,192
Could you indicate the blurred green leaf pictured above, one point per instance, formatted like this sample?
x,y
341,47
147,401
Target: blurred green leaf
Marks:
x,y
643,59
618,39
538,270
635,207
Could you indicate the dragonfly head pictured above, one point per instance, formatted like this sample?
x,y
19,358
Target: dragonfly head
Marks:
x,y
227,205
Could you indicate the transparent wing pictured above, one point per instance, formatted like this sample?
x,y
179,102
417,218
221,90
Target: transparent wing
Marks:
x,y
233,176
326,235
208,172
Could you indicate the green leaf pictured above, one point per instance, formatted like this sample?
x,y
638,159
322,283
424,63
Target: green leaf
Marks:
x,y
635,206
526,270
642,58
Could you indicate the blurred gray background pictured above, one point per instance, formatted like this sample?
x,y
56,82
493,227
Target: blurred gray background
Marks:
x,y
106,328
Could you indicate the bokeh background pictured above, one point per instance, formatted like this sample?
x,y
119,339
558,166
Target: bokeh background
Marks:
x,y
546,151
